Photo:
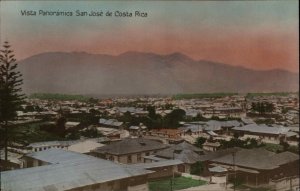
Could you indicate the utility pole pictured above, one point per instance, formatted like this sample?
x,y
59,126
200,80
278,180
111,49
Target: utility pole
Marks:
x,y
233,162
172,179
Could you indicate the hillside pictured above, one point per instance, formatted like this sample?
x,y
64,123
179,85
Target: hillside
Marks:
x,y
144,73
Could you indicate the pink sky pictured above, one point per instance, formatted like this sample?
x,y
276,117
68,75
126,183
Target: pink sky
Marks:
x,y
257,35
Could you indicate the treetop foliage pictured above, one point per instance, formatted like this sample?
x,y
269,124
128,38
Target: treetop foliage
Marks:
x,y
10,82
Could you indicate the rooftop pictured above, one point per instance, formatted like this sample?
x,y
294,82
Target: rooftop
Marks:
x,y
257,158
68,170
262,129
131,145
184,151
157,164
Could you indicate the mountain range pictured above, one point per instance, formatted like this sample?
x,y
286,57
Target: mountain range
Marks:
x,y
144,73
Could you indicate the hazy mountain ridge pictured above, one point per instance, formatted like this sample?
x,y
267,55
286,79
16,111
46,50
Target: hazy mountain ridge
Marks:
x,y
144,73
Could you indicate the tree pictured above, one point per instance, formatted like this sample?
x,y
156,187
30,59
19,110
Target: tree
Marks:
x,y
172,119
91,133
60,126
200,141
285,145
252,143
269,107
262,107
197,168
10,91
151,112
236,135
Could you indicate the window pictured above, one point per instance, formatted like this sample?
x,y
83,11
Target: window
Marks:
x,y
147,153
129,160
139,157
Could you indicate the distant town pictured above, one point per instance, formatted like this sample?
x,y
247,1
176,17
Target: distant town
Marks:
x,y
149,95
150,143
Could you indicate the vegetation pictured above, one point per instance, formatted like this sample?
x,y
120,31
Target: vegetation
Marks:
x,y
206,95
283,146
10,93
266,121
30,133
251,95
178,184
273,147
91,133
85,119
197,168
200,141
172,119
153,120
61,97
262,107
249,143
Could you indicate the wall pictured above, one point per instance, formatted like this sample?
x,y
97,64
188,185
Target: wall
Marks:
x,y
129,184
162,172
286,184
218,179
142,187
124,158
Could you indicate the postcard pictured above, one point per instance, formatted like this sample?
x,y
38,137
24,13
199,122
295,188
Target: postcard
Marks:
x,y
149,95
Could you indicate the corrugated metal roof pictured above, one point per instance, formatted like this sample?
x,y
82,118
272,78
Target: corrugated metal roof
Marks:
x,y
217,169
184,151
257,158
157,164
153,157
262,129
53,143
70,170
131,145
111,122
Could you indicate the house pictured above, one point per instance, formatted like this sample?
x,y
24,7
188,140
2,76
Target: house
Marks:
x,y
192,129
110,133
80,145
12,162
40,146
265,133
8,165
257,167
161,169
57,169
173,134
137,130
247,121
111,123
129,150
71,124
218,175
208,156
211,146
85,146
220,127
184,152
132,110
229,112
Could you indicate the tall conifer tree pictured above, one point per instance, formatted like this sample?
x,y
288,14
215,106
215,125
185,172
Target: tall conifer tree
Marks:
x,y
10,91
